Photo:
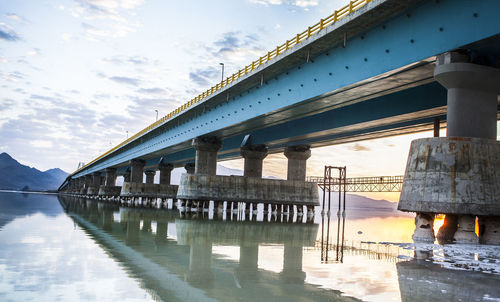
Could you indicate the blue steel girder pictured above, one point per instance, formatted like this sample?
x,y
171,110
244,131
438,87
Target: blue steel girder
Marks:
x,y
398,43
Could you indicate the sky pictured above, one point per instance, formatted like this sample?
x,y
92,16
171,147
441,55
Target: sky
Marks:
x,y
78,76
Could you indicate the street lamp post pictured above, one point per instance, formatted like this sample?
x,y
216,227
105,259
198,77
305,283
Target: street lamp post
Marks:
x,y
222,76
127,134
156,115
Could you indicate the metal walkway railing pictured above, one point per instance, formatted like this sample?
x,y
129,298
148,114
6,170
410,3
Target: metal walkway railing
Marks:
x,y
362,184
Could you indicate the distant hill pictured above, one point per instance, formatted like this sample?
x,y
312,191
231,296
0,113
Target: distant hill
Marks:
x,y
15,176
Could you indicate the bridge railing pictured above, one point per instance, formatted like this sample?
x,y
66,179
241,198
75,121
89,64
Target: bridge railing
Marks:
x,y
299,38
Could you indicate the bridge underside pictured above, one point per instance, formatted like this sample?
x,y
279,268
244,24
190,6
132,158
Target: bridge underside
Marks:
x,y
380,84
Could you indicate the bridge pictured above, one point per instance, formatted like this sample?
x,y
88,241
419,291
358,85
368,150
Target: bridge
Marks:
x,y
372,69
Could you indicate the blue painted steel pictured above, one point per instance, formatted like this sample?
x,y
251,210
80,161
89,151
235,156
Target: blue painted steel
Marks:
x,y
431,28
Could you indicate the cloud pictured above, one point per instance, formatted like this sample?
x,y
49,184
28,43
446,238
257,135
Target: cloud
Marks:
x,y
33,52
8,34
305,3
154,90
6,103
108,17
359,147
300,3
66,37
143,109
117,30
125,80
43,98
14,76
204,77
14,16
132,60
236,46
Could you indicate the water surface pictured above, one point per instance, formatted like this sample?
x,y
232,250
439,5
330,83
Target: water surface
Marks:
x,y
70,249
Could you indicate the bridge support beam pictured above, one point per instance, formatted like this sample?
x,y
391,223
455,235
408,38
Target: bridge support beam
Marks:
x,y
254,156
458,175
126,176
150,176
165,173
87,182
137,170
96,183
297,158
189,167
110,177
297,163
109,190
206,155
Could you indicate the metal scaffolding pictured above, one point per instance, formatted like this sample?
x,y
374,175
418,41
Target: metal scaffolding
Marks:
x,y
329,181
360,184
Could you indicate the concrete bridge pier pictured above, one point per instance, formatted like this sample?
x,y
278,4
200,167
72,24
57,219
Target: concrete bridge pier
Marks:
x,y
78,186
165,177
205,185
296,168
447,230
87,182
185,205
93,189
205,162
150,179
136,179
126,176
253,160
71,186
458,174
109,190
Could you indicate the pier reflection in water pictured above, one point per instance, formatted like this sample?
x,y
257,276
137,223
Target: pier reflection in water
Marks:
x,y
174,258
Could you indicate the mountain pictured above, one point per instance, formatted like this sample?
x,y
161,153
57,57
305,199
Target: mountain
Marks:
x,y
15,176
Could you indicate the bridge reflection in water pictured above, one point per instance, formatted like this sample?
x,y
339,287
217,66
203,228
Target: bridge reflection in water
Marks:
x,y
173,259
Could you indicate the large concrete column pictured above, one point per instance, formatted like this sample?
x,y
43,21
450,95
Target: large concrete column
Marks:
x,y
150,176
80,183
447,230
110,177
137,170
88,183
206,154
424,228
165,173
472,110
93,189
253,155
126,176
472,96
96,179
189,168
297,158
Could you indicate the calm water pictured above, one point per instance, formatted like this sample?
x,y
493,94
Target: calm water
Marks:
x,y
65,249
